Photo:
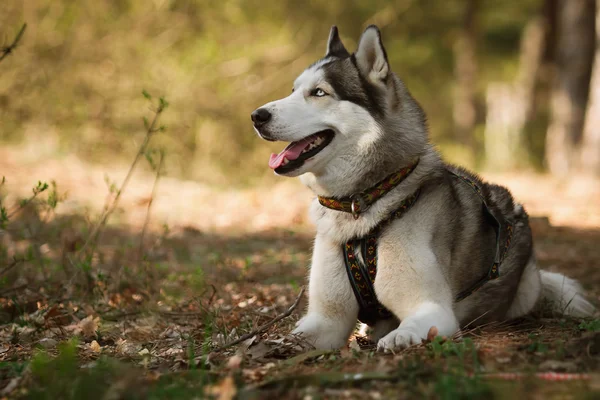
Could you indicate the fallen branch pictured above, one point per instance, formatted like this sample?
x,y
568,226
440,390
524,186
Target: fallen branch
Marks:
x,y
324,379
544,376
9,49
12,289
117,316
264,327
10,266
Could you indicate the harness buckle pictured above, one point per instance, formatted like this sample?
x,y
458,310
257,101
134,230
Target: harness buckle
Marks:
x,y
358,205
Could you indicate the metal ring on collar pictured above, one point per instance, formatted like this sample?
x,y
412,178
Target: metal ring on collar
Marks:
x,y
358,205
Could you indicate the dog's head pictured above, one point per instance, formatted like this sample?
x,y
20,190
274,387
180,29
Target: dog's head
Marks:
x,y
340,111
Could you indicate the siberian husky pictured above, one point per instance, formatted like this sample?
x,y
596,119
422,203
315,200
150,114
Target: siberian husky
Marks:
x,y
458,252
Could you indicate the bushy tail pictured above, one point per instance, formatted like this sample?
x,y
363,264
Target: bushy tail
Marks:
x,y
565,295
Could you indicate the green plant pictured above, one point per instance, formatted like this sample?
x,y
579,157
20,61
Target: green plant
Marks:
x,y
459,385
439,348
590,326
143,151
51,201
536,345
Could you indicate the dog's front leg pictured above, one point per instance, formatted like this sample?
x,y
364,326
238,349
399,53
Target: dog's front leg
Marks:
x,y
332,307
415,290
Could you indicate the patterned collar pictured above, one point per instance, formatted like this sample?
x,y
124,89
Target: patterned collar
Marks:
x,y
360,202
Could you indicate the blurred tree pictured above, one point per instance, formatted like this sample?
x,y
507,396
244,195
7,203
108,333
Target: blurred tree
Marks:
x,y
590,155
82,65
465,72
511,106
574,57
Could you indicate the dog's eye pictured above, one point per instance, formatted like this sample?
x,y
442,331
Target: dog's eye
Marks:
x,y
318,92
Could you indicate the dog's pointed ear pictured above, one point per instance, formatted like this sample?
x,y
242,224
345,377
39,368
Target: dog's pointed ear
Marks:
x,y
371,57
335,47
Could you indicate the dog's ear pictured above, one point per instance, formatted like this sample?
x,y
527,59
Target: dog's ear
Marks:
x,y
335,47
371,57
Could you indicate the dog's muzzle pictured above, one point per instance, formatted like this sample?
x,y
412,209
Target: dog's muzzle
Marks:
x,y
260,117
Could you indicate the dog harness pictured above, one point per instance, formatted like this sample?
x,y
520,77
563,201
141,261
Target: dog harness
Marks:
x,y
362,274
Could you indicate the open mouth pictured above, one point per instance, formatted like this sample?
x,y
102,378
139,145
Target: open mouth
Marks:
x,y
294,155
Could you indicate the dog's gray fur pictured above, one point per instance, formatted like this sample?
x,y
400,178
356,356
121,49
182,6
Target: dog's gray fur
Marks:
x,y
441,247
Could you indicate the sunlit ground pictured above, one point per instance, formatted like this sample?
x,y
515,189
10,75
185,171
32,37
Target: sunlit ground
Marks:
x,y
216,264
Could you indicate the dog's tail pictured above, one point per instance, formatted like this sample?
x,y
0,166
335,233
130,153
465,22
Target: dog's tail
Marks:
x,y
564,295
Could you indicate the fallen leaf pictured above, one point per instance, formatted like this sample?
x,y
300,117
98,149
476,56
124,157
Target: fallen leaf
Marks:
x,y
127,348
144,352
248,342
259,350
300,358
234,362
224,390
87,327
95,347
47,343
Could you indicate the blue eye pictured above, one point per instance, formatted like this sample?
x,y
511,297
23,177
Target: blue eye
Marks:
x,y
318,92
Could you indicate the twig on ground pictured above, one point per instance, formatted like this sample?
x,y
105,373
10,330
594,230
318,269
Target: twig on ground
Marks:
x,y
263,327
544,376
117,316
97,230
12,289
10,266
205,309
9,49
152,196
323,379
182,314
212,296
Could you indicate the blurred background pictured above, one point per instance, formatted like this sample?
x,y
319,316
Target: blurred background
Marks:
x,y
211,243
509,88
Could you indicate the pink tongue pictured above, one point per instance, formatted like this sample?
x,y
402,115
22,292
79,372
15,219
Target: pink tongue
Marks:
x,y
291,152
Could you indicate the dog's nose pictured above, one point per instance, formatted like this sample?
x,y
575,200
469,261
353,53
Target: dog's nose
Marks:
x,y
260,116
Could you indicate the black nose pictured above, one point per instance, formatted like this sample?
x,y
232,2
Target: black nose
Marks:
x,y
260,116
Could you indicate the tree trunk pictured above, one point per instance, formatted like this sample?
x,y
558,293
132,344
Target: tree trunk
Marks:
x,y
510,106
590,154
465,101
574,57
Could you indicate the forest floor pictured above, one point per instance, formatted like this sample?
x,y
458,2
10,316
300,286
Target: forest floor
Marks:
x,y
151,317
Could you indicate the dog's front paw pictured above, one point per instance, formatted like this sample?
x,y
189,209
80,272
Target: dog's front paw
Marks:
x,y
321,332
299,322
398,339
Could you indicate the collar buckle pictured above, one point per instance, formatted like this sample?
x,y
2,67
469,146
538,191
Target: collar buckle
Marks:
x,y
358,205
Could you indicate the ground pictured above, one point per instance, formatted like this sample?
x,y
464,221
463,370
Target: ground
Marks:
x,y
152,316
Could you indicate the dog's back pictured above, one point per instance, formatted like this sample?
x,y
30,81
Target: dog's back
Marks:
x,y
472,227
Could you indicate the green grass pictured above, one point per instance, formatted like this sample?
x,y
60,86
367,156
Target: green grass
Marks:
x,y
61,377
590,326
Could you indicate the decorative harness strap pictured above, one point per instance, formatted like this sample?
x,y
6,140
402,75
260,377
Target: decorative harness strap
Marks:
x,y
360,202
499,224
362,274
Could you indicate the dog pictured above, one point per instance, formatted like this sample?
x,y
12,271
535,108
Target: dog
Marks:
x,y
450,250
